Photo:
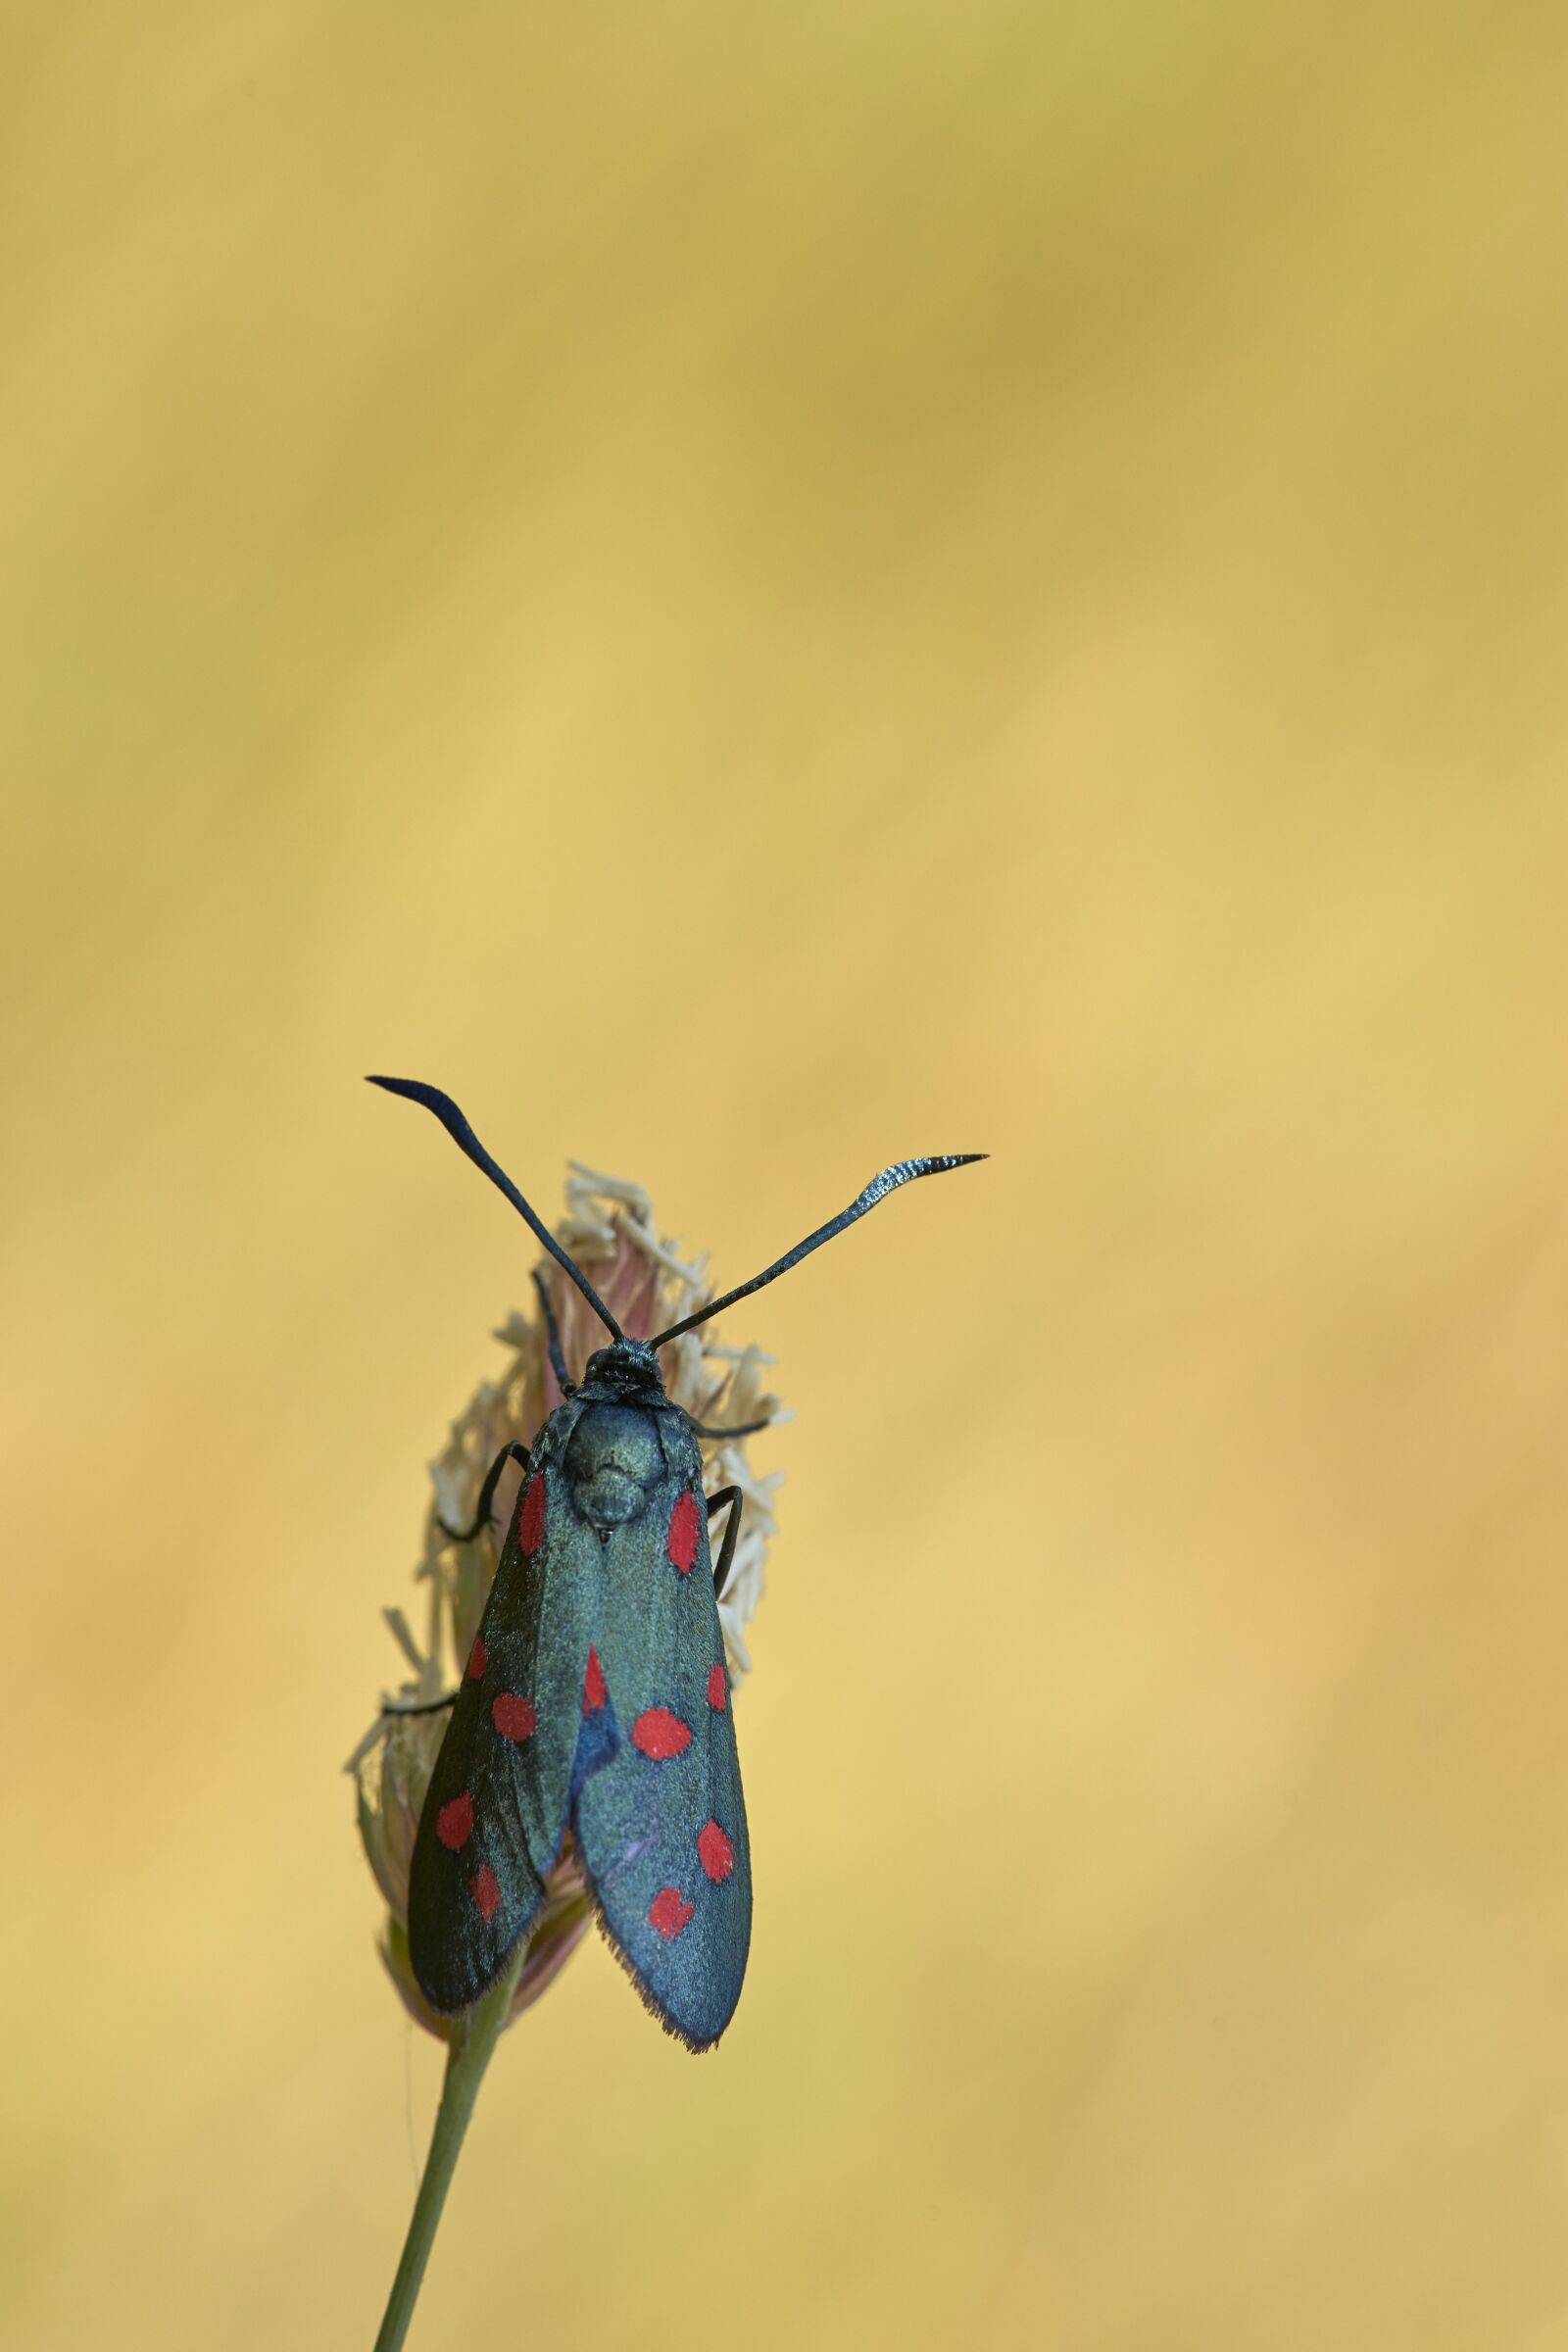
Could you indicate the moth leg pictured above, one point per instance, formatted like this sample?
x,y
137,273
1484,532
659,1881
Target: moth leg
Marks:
x,y
732,1528
416,1706
487,1495
558,1361
747,1429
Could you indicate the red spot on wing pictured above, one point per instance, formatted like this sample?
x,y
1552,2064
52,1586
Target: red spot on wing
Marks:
x,y
485,1889
659,1734
453,1824
715,1687
594,1692
477,1657
668,1912
513,1717
685,1525
714,1851
531,1522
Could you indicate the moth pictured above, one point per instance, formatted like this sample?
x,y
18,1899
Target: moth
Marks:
x,y
595,1702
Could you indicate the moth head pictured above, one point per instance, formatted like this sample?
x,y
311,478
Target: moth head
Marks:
x,y
628,1371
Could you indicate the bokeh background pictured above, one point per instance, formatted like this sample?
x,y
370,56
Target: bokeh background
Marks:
x,y
755,593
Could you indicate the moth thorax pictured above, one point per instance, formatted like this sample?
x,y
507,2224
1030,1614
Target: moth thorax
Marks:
x,y
612,1460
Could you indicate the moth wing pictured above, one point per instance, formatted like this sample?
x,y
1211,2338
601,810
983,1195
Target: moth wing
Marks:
x,y
501,1790
661,1828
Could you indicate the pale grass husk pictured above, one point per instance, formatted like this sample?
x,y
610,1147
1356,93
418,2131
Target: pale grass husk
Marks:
x,y
609,1230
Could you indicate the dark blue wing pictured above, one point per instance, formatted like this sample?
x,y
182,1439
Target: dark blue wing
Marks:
x,y
662,1826
500,1794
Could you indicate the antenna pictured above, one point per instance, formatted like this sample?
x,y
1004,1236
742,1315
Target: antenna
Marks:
x,y
902,1171
414,1090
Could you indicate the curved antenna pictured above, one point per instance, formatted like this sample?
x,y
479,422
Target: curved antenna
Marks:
x,y
902,1171
414,1090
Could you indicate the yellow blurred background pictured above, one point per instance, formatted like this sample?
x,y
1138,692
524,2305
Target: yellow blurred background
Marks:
x,y
755,593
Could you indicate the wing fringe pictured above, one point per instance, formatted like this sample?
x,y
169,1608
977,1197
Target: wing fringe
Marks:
x,y
676,2033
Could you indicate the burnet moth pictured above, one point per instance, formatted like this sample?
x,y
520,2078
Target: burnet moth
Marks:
x,y
596,1700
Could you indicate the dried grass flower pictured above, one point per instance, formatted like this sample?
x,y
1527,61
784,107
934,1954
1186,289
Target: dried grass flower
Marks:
x,y
610,1233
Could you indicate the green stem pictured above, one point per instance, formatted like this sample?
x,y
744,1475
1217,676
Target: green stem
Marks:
x,y
473,2038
